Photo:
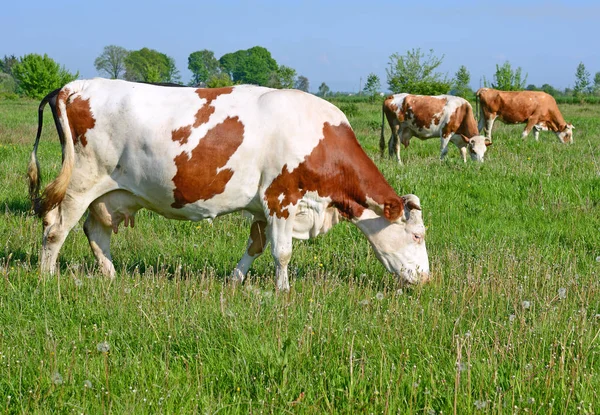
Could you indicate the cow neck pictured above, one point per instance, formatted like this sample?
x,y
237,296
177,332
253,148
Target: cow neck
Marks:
x,y
338,169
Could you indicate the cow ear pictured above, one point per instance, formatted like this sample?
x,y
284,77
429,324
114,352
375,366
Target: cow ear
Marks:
x,y
465,138
393,209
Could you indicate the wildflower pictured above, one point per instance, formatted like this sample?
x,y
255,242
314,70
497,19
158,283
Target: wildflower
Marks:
x,y
512,318
78,282
598,259
531,400
480,404
87,384
399,291
379,296
526,304
562,293
103,347
57,379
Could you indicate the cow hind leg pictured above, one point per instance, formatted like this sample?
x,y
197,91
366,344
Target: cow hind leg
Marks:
x,y
444,147
489,124
98,233
279,234
255,247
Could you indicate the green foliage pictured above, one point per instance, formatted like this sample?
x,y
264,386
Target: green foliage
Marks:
x,y
250,66
597,83
302,83
350,109
507,79
112,61
219,80
414,73
283,78
8,85
323,90
7,63
203,66
38,75
582,81
372,86
461,81
508,323
149,65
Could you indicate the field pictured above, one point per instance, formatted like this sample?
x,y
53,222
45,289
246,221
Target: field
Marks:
x,y
509,324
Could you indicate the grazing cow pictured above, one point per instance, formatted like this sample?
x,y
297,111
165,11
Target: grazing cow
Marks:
x,y
536,108
445,116
289,158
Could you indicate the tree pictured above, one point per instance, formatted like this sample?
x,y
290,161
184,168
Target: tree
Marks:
x,y
323,90
112,61
582,80
506,79
203,66
7,63
372,86
149,65
302,83
252,66
462,78
597,83
415,73
219,80
38,75
283,78
549,89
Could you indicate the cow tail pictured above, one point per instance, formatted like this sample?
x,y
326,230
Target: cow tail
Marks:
x,y
382,137
55,192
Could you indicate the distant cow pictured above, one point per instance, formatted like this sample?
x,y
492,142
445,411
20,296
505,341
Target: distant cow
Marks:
x,y
445,116
289,158
537,109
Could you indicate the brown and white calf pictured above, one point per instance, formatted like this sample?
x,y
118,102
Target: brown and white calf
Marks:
x,y
423,116
535,108
289,158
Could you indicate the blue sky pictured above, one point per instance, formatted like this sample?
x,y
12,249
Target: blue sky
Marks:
x,y
336,42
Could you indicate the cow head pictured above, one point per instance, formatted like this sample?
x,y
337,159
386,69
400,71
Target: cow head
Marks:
x,y
399,243
477,146
566,135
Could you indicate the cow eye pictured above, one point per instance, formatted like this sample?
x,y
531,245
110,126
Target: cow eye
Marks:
x,y
417,238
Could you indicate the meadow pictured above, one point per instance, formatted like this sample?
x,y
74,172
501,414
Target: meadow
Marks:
x,y
510,322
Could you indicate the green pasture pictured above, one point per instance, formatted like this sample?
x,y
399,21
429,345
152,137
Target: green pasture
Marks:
x,y
509,324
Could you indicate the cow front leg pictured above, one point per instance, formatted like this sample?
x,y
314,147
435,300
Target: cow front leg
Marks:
x,y
536,132
444,147
255,247
280,232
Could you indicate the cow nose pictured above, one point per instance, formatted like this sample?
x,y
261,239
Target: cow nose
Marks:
x,y
424,277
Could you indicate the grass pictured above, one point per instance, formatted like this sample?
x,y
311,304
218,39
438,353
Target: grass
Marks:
x,y
509,324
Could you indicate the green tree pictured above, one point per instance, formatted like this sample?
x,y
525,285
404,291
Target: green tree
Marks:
x,y
549,89
372,86
597,83
149,65
283,78
219,80
582,80
112,61
203,66
415,73
462,79
252,66
302,83
38,75
7,63
507,79
323,90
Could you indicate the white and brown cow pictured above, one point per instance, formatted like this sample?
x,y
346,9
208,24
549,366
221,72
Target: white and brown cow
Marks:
x,y
536,108
423,116
288,157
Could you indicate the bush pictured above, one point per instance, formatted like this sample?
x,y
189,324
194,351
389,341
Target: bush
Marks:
x,y
38,75
7,84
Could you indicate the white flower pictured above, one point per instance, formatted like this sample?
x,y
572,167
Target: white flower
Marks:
x,y
562,293
103,347
57,379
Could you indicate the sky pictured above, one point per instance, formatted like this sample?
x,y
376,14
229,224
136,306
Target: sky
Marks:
x,y
336,42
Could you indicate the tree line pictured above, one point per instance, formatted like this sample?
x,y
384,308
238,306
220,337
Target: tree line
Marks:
x,y
415,72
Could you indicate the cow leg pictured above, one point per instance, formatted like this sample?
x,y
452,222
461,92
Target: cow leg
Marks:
x,y
98,233
255,247
489,124
536,133
444,146
528,127
279,233
57,224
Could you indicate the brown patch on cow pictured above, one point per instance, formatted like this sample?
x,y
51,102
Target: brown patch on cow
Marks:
x,y
182,134
80,118
424,110
257,237
461,122
197,177
337,168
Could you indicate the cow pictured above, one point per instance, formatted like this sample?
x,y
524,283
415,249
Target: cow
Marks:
x,y
285,156
423,116
535,108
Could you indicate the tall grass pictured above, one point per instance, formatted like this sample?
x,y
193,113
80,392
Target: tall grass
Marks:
x,y
509,324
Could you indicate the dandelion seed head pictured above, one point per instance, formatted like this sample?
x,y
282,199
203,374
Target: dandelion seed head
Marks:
x,y
512,318
87,384
78,282
562,293
103,347
364,302
57,379
526,304
480,404
379,296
